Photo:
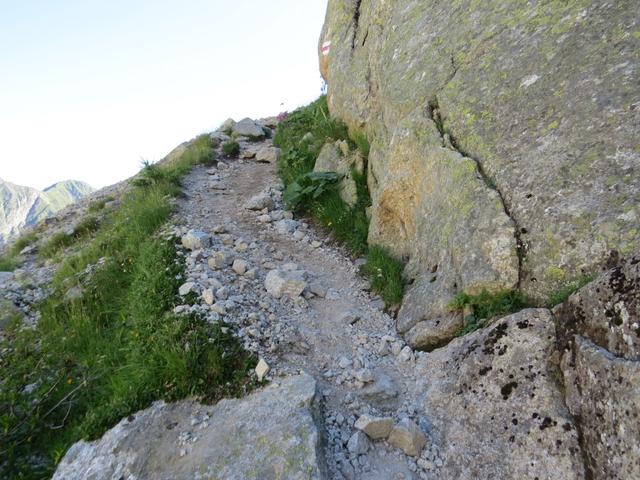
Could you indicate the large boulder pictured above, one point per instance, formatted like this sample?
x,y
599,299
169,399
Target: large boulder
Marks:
x,y
496,407
248,128
499,154
269,434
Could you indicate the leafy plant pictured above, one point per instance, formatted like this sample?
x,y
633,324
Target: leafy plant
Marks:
x,y
309,186
231,148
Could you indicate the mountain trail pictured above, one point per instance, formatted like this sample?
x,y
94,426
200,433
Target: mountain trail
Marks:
x,y
335,330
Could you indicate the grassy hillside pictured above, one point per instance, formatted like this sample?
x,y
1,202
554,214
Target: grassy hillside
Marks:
x,y
101,355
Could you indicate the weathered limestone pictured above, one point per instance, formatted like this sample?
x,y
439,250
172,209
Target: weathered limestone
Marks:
x,y
269,434
498,154
495,404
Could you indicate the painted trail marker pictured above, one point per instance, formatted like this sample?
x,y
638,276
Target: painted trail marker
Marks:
x,y
326,48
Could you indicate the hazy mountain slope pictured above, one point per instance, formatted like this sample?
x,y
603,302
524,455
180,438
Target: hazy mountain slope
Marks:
x,y
23,206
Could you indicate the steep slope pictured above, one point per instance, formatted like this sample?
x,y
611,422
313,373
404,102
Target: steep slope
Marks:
x,y
25,206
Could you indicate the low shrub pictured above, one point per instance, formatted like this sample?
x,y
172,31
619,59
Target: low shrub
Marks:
x,y
231,148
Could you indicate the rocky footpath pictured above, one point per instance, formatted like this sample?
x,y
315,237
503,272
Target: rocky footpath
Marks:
x,y
504,150
513,400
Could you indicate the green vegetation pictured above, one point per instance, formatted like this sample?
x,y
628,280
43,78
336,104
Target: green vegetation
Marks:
x,y
308,187
561,295
9,261
99,358
301,137
201,151
61,240
231,148
98,205
486,306
385,274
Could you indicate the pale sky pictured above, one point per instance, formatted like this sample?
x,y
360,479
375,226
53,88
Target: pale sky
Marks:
x,y
89,88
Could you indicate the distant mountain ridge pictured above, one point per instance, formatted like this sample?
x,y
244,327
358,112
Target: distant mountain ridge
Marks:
x,y
22,206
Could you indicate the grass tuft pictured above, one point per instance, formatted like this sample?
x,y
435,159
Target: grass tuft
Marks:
x,y
231,148
486,306
385,275
572,287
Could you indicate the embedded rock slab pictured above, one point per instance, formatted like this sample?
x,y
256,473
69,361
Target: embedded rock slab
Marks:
x,y
599,333
603,393
269,434
606,311
495,405
405,72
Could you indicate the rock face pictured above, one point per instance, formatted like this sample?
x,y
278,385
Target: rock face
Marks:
x,y
481,170
496,406
24,206
269,434
599,332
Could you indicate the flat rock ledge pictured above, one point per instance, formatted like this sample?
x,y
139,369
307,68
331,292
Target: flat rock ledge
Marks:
x,y
268,434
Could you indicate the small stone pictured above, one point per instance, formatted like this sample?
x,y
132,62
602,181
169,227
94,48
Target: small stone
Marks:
x,y
318,289
290,283
405,354
196,240
240,266
226,239
298,235
285,226
251,274
344,362
218,260
222,293
316,244
265,218
219,229
259,202
364,375
350,317
268,155
358,444
186,288
376,428
408,437
208,296
262,369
